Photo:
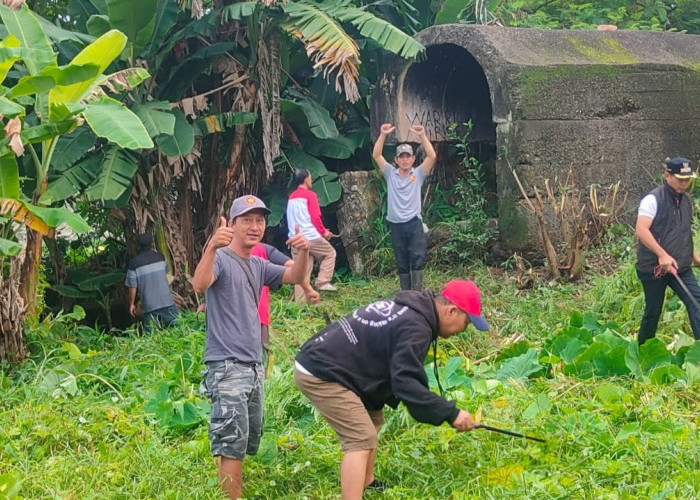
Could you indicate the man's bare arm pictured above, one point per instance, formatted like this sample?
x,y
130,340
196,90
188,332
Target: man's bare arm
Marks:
x,y
378,150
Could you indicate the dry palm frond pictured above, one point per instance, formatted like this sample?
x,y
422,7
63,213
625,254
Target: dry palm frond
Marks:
x,y
328,46
21,213
12,309
12,132
13,4
268,70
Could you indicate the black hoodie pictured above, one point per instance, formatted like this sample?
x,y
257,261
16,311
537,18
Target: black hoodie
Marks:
x,y
378,353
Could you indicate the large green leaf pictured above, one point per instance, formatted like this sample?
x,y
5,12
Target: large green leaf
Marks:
x,y
56,216
39,133
72,181
10,109
164,20
276,201
98,25
61,111
328,189
309,114
519,367
603,358
102,52
45,131
238,10
9,176
156,117
115,177
26,28
642,359
181,141
451,10
112,120
57,34
71,147
51,76
693,354
95,283
336,147
567,347
9,248
134,18
7,62
71,292
81,10
665,374
299,159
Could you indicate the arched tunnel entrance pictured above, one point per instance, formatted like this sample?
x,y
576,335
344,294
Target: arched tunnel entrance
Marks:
x,y
450,87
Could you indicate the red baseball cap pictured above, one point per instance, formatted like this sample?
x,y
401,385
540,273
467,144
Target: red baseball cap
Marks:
x,y
466,296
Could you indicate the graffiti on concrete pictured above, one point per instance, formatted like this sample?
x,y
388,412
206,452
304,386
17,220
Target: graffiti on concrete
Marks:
x,y
436,121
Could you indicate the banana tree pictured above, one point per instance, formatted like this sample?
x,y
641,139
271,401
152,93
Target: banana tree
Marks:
x,y
47,102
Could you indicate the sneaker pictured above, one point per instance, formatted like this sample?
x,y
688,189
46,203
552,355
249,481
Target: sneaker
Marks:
x,y
376,486
327,288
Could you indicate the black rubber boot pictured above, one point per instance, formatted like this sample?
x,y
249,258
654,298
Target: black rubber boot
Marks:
x,y
417,280
405,281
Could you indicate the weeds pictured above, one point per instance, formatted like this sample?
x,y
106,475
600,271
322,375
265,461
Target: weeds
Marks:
x,y
462,209
96,416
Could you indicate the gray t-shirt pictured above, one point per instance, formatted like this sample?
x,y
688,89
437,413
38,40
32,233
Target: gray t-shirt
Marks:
x,y
404,197
233,325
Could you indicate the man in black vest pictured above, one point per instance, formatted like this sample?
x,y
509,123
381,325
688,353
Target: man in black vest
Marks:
x,y
664,230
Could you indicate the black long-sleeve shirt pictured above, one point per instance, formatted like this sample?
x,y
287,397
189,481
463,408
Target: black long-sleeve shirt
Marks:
x,y
378,353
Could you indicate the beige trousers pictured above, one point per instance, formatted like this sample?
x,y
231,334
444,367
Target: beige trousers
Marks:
x,y
323,252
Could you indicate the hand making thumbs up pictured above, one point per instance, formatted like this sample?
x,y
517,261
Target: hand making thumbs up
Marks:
x,y
298,241
223,235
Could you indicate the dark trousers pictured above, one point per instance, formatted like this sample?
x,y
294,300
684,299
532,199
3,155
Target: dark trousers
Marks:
x,y
409,242
160,318
654,292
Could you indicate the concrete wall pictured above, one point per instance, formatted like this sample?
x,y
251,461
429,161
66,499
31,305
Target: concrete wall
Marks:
x,y
608,105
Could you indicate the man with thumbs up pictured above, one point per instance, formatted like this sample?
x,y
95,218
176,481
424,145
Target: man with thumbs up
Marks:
x,y
231,279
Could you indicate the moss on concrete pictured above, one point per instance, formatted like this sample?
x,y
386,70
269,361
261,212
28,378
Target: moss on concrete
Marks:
x,y
512,224
533,79
607,51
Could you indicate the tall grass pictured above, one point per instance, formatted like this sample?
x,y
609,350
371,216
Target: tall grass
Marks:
x,y
87,415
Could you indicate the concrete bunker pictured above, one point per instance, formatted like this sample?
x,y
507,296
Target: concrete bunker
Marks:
x,y
610,106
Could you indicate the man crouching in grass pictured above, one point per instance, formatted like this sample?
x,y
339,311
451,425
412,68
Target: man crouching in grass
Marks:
x,y
374,357
231,279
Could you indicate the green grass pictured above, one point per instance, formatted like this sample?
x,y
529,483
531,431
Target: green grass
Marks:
x,y
92,415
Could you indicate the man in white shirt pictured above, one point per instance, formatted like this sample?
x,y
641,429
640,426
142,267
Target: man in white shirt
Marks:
x,y
664,229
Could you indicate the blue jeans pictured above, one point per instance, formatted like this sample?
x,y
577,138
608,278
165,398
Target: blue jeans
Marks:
x,y
654,294
160,318
236,393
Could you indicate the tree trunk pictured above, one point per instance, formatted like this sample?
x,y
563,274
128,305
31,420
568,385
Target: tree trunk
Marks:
x,y
31,264
12,310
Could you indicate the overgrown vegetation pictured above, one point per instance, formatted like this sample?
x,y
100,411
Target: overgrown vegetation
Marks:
x,y
91,414
461,212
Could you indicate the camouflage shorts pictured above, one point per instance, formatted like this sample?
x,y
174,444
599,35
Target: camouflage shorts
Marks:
x,y
236,394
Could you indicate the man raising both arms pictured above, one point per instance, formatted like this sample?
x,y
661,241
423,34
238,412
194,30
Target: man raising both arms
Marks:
x,y
403,186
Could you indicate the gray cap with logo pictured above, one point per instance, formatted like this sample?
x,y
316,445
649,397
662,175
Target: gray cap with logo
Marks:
x,y
244,204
